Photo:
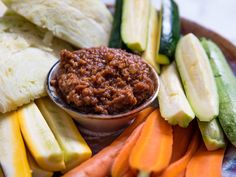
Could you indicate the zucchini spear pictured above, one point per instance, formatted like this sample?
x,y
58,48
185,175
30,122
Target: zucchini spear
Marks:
x,y
73,145
226,85
134,26
13,157
169,31
150,53
40,139
174,106
197,78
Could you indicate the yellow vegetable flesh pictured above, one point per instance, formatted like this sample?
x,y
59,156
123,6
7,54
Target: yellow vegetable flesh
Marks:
x,y
40,139
36,170
73,145
13,157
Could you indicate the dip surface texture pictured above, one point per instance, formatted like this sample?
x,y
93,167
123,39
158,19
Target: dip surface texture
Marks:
x,y
103,80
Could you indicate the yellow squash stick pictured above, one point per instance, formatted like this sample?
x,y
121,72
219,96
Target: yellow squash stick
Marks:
x,y
36,170
12,150
72,143
40,139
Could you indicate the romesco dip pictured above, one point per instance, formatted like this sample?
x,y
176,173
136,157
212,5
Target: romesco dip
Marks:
x,y
103,80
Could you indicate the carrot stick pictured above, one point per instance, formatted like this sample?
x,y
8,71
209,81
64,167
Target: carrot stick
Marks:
x,y
178,167
152,151
205,163
121,163
181,140
100,164
138,120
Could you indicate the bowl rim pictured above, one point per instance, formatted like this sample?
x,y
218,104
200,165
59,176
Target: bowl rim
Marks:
x,y
61,103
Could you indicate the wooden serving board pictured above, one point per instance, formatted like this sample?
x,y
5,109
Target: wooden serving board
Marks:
x,y
187,26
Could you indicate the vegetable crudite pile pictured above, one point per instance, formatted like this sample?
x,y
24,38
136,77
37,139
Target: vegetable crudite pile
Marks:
x,y
186,135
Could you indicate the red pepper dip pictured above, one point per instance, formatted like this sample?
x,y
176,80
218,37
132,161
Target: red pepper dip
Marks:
x,y
103,80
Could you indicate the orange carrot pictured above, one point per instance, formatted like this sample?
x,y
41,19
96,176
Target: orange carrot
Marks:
x,y
177,168
138,120
100,164
205,163
153,149
181,140
121,163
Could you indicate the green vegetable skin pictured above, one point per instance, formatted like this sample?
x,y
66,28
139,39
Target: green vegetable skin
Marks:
x,y
134,26
226,84
170,33
115,38
212,134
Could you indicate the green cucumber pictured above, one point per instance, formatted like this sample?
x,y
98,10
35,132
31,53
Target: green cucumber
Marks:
x,y
134,26
174,106
150,53
226,84
115,38
212,134
170,32
160,58
197,78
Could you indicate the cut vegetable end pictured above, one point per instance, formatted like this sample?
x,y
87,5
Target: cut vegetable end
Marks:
x,y
136,47
73,145
212,134
162,59
174,106
36,170
183,121
170,32
134,26
143,174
